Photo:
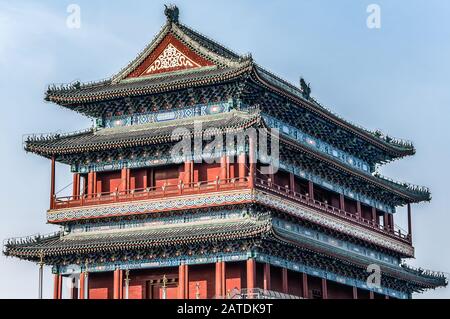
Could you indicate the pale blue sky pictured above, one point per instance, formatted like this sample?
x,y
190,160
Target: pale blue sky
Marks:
x,y
395,79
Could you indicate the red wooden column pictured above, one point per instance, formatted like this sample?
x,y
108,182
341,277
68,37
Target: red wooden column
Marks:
x,y
252,161
145,180
251,274
123,180
150,178
128,180
220,279
305,288
284,280
241,166
94,186
187,173
409,222
311,190
76,186
371,294
341,202
292,182
386,221
223,279
183,281
355,292
121,284
358,209
324,289
57,285
90,184
374,215
223,168
82,287
266,280
116,287
52,182
391,222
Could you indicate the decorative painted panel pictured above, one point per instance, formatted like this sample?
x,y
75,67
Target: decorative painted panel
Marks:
x,y
317,144
329,221
163,116
149,222
225,198
148,206
316,236
227,257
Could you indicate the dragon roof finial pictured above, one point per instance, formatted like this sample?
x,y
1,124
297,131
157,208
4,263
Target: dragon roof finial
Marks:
x,y
172,12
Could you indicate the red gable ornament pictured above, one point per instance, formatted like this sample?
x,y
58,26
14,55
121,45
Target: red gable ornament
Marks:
x,y
170,55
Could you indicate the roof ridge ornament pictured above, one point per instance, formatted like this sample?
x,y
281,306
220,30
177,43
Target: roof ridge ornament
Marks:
x,y
172,12
306,88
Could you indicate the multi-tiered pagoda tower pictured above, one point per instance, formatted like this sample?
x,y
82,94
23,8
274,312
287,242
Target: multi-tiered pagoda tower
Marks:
x,y
143,223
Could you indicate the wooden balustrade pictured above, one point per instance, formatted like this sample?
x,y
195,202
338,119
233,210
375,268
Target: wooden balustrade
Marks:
x,y
220,185
308,201
150,193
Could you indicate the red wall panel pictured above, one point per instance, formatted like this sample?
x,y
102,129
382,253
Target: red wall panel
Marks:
x,y
108,182
339,291
167,175
235,276
204,277
101,285
137,177
294,283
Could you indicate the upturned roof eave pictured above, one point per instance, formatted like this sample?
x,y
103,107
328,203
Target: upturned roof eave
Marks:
x,y
395,150
410,196
391,186
357,261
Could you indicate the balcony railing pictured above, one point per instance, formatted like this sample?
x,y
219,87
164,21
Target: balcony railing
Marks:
x,y
164,191
167,191
308,201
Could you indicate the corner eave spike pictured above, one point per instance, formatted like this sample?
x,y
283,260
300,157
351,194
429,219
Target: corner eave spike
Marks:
x,y
306,88
171,11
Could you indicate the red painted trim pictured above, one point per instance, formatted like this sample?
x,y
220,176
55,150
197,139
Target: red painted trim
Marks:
x,y
183,281
374,215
